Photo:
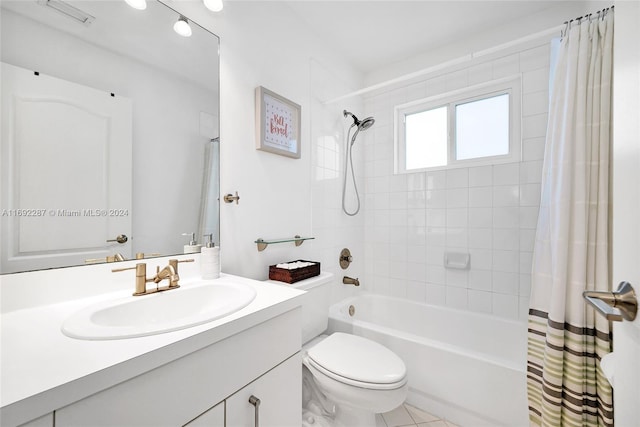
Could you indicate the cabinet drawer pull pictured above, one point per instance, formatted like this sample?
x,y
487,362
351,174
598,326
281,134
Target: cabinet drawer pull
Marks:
x,y
256,402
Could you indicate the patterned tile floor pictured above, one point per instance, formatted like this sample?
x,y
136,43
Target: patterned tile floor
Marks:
x,y
406,415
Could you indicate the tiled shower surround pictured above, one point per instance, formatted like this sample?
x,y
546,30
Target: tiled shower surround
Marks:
x,y
490,212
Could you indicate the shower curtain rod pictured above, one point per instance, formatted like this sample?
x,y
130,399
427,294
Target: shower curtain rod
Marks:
x,y
558,29
580,18
600,14
460,60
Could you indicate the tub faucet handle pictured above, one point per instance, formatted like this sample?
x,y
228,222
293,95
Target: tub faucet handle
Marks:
x,y
345,258
350,281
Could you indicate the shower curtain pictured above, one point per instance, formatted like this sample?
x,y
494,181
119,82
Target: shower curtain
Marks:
x,y
566,340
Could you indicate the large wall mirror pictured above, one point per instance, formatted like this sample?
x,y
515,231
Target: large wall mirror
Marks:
x,y
109,133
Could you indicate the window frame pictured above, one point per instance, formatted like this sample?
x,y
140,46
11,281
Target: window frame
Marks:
x,y
511,85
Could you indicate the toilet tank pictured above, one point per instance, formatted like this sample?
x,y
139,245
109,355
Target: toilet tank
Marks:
x,y
315,304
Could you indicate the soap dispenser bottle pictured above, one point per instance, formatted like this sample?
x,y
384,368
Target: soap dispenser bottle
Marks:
x,y
210,259
192,247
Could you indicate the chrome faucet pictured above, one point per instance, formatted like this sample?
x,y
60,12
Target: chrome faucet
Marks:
x,y
350,281
169,272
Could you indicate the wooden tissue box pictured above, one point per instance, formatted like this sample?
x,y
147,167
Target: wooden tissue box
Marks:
x,y
295,275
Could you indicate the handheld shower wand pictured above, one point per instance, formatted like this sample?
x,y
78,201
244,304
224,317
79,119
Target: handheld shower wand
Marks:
x,y
348,160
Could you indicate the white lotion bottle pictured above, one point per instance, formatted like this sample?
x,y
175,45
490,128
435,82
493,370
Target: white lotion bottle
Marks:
x,y
192,247
210,259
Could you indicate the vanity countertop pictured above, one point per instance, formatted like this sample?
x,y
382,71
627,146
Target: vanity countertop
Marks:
x,y
42,369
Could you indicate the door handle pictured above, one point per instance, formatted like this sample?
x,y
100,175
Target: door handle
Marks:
x,y
230,198
120,238
617,305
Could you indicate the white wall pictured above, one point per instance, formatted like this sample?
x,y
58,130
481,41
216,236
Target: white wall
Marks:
x,y
333,228
488,211
277,194
282,197
555,15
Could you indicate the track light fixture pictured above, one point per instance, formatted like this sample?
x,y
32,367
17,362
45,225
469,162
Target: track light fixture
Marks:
x,y
182,27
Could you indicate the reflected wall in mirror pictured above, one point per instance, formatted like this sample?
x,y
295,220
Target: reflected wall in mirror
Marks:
x,y
109,129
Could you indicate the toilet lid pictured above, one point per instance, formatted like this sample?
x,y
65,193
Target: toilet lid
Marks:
x,y
359,359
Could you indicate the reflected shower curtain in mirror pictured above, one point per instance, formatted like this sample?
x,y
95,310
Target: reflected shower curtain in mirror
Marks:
x,y
208,222
566,339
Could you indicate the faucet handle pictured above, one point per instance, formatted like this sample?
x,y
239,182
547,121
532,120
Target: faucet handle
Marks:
x,y
117,270
141,269
141,277
182,260
174,263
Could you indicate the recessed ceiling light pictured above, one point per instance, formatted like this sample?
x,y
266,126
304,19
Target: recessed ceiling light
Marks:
x,y
213,5
137,4
182,27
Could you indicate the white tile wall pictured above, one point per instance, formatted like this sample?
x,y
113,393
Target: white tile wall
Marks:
x,y
332,229
489,211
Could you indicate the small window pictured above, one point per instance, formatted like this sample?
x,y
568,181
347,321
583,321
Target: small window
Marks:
x,y
426,138
482,128
474,126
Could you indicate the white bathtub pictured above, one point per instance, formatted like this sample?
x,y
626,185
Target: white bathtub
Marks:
x,y
465,367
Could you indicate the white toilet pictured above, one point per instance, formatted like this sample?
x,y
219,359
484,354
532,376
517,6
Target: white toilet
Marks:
x,y
347,379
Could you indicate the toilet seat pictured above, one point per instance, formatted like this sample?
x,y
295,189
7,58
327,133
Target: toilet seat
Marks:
x,y
352,382
357,361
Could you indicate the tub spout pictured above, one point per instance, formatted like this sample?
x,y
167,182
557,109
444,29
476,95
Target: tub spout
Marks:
x,y
350,281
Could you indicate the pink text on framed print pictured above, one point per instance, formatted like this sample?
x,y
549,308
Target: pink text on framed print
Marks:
x,y
278,124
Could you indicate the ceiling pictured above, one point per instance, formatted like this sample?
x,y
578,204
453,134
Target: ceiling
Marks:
x,y
374,33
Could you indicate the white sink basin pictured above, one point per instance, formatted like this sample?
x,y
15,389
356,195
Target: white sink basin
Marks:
x,y
190,305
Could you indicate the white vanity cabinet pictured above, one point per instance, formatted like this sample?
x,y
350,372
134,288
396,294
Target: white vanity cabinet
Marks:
x,y
208,385
275,397
280,397
45,421
214,417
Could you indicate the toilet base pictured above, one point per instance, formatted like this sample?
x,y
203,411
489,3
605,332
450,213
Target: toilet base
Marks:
x,y
313,415
347,416
318,410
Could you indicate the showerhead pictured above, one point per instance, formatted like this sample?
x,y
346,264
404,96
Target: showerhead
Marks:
x,y
366,123
362,124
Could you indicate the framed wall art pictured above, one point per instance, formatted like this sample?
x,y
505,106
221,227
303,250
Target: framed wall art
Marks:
x,y
278,124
